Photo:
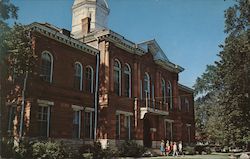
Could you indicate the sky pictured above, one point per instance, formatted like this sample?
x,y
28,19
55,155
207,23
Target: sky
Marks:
x,y
188,31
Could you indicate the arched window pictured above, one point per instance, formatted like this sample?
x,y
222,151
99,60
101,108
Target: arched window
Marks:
x,y
117,77
89,79
146,85
78,76
187,104
47,66
163,90
127,80
170,95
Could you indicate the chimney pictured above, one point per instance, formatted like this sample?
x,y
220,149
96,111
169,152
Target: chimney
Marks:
x,y
86,25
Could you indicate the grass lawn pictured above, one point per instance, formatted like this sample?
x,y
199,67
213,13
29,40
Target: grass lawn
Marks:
x,y
211,156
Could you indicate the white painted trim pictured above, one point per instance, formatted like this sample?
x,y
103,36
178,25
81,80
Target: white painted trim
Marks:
x,y
169,120
47,30
129,75
188,125
81,75
45,103
77,108
48,121
170,88
92,77
120,75
124,113
88,109
51,65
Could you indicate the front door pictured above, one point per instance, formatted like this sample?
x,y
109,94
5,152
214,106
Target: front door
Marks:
x,y
146,132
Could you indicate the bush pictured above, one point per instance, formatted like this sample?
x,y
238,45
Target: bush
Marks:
x,y
189,150
95,151
7,148
131,149
24,150
48,150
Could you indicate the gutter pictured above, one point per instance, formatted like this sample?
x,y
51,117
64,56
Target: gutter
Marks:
x,y
96,88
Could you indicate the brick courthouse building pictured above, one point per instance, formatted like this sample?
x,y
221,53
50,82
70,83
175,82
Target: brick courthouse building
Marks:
x,y
95,84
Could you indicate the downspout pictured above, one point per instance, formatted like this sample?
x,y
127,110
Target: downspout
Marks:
x,y
23,105
96,88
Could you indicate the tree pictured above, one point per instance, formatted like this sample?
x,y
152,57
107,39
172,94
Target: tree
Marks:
x,y
7,11
228,82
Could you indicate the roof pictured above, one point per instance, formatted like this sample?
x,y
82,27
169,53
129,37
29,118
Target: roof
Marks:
x,y
140,49
186,88
56,33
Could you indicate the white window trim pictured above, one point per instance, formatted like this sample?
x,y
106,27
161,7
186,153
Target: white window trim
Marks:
x,y
187,104
189,132
171,127
77,107
119,125
148,87
46,103
124,113
129,75
52,64
163,85
92,78
81,74
170,94
90,110
120,73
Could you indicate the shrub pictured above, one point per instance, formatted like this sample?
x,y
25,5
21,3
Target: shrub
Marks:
x,y
189,150
48,150
131,149
23,150
7,148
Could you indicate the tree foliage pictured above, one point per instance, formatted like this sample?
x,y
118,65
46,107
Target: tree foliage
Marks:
x,y
227,83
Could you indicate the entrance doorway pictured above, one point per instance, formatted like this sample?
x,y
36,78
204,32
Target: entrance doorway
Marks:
x,y
147,141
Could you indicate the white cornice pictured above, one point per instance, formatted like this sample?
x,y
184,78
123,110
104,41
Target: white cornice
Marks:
x,y
185,88
56,35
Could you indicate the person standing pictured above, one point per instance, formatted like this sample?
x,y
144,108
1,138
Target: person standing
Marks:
x,y
180,148
175,153
167,148
162,149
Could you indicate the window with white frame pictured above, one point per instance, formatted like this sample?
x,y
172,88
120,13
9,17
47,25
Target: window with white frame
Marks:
x,y
188,132
147,85
43,120
117,77
46,66
127,80
163,90
170,95
169,130
88,125
76,123
127,125
117,126
11,118
187,104
89,76
78,76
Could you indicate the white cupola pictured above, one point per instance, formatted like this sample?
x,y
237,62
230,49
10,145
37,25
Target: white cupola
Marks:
x,y
89,15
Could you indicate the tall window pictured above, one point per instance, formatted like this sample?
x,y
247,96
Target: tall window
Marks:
x,y
127,80
189,133
163,90
88,125
76,124
117,126
127,125
46,66
147,85
117,77
89,79
170,95
187,104
78,76
169,130
43,120
11,118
